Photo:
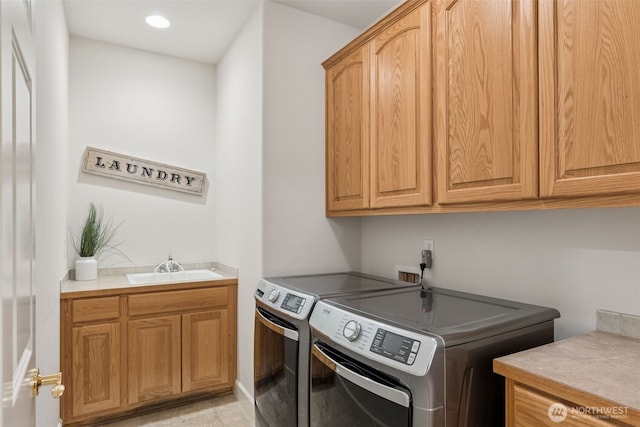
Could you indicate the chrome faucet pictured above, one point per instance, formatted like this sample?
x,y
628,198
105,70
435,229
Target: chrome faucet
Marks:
x,y
169,266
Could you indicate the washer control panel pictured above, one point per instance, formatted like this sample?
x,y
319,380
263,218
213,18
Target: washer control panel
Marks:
x,y
401,349
395,347
295,304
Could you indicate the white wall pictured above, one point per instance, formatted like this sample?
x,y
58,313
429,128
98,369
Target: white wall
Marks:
x,y
52,118
238,174
576,261
157,108
297,236
269,158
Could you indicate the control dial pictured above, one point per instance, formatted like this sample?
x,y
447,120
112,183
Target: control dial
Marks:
x,y
351,330
273,295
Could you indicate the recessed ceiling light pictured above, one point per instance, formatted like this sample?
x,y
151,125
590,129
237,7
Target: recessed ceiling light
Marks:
x,y
157,21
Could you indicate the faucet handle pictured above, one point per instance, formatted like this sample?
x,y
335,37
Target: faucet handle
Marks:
x,y
170,257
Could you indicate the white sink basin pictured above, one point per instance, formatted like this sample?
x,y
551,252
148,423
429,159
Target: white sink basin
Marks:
x,y
179,276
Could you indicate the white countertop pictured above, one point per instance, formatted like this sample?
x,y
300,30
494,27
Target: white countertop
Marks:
x,y
116,278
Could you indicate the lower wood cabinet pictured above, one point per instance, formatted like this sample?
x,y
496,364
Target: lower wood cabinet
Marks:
x,y
135,348
96,354
204,350
526,407
587,380
154,350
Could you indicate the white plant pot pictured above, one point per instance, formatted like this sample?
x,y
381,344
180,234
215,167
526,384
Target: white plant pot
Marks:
x,y
86,268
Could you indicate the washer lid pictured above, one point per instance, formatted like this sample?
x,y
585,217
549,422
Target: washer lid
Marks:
x,y
457,317
338,284
295,296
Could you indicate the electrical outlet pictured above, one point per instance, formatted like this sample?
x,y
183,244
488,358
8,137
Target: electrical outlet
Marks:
x,y
428,244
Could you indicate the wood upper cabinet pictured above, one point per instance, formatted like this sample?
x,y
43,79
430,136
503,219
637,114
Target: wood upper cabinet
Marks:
x,y
401,112
534,105
486,101
378,112
347,128
589,97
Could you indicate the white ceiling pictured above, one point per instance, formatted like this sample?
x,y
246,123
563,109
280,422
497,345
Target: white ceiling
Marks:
x,y
200,30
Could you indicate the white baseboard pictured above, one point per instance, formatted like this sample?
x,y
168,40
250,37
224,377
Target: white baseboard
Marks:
x,y
246,400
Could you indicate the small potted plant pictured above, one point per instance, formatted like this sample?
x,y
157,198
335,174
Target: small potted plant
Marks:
x,y
97,237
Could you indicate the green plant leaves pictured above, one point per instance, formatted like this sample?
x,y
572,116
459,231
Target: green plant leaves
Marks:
x,y
97,235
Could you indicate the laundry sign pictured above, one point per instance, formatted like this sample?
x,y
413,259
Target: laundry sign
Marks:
x,y
128,168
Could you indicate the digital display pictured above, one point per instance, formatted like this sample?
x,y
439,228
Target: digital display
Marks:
x,y
392,342
292,303
394,346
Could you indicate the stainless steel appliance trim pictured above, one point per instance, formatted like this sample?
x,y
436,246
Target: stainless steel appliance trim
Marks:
x,y
381,390
329,320
288,333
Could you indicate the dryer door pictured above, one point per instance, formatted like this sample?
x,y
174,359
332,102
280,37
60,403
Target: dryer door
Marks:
x,y
346,393
275,371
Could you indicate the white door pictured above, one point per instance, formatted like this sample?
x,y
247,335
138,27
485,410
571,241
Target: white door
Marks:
x,y
17,316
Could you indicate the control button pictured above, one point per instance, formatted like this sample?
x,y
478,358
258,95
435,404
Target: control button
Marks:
x,y
351,330
411,358
415,346
273,295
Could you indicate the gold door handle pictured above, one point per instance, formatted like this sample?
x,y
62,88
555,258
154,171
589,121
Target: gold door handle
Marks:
x,y
55,380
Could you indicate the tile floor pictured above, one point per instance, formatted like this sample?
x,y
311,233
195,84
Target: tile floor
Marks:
x,y
223,411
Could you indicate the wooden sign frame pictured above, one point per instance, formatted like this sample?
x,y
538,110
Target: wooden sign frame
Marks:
x,y
133,169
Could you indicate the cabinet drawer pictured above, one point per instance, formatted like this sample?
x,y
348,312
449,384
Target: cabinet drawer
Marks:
x,y
536,409
167,302
92,309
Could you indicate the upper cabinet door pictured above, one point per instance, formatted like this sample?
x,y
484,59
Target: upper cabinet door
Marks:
x,y
589,97
401,112
347,149
486,101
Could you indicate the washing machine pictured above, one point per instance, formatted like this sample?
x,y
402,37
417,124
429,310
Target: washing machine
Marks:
x,y
417,357
282,339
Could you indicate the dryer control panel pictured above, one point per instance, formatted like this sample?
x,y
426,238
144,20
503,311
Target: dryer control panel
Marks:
x,y
294,304
401,349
